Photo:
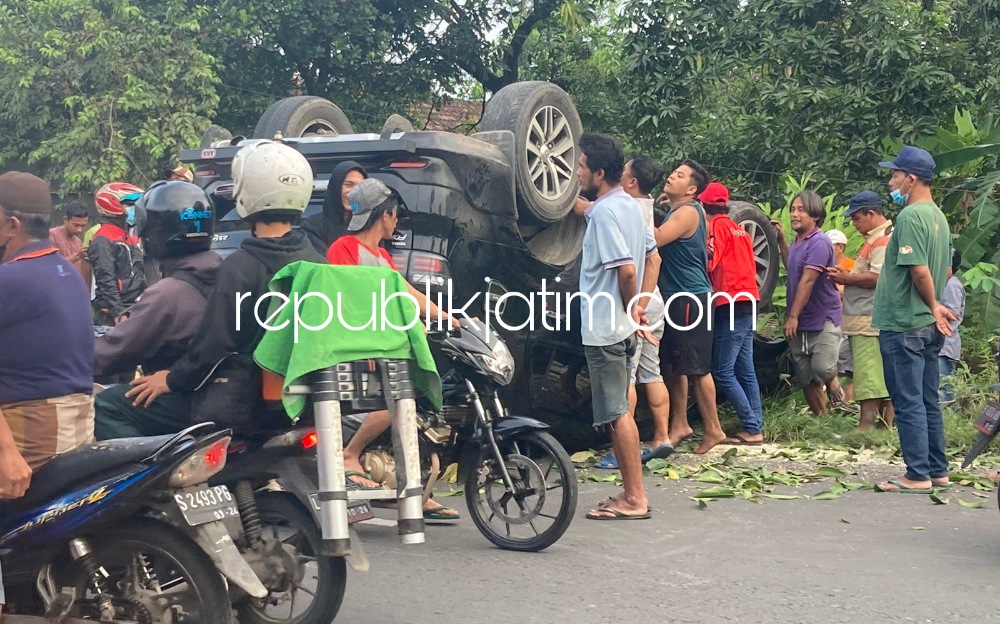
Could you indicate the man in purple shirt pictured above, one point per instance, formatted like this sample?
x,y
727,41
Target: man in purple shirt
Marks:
x,y
812,326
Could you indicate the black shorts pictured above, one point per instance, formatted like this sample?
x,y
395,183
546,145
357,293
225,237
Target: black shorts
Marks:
x,y
687,337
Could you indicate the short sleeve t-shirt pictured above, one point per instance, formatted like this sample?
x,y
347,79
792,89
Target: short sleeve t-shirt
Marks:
x,y
858,301
349,251
920,237
814,253
616,235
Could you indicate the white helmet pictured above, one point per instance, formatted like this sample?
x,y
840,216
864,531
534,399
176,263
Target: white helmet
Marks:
x,y
271,177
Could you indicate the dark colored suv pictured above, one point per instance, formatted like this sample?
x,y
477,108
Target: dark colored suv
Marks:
x,y
482,215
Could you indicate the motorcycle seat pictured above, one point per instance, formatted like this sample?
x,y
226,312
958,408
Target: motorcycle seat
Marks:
x,y
84,463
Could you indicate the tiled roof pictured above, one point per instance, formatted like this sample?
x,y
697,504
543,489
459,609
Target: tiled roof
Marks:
x,y
460,116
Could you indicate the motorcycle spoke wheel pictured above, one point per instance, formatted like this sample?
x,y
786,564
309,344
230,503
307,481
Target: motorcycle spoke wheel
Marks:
x,y
314,592
541,505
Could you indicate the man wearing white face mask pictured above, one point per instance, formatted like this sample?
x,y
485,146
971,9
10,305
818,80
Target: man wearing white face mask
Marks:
x,y
913,322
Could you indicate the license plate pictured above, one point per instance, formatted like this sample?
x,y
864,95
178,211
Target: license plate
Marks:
x,y
357,511
989,419
203,504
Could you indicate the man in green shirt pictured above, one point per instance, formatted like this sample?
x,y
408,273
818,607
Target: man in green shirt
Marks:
x,y
913,322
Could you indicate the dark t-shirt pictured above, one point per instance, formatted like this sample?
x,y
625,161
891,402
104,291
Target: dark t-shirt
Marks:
x,y
814,253
46,328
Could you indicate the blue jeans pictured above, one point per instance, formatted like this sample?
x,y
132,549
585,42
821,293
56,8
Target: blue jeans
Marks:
x,y
946,368
912,376
732,354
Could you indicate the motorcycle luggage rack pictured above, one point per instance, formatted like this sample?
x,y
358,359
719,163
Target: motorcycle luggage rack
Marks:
x,y
370,385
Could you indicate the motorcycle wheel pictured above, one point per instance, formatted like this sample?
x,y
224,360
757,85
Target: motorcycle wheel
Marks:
x,y
544,502
323,579
178,564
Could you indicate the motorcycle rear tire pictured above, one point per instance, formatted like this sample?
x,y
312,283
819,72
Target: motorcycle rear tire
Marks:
x,y
331,572
567,507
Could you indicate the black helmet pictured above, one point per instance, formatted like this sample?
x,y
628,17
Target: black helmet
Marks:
x,y
179,219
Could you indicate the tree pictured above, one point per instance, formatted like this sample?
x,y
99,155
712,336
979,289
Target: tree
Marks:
x,y
760,87
95,91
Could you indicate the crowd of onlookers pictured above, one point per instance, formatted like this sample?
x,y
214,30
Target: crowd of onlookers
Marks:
x,y
887,320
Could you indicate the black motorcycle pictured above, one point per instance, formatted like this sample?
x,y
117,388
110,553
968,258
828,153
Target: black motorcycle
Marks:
x,y
988,425
519,482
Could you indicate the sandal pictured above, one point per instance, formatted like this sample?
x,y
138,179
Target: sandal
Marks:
x,y
441,513
352,484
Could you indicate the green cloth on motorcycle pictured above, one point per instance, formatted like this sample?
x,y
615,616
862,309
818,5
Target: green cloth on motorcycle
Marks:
x,y
354,319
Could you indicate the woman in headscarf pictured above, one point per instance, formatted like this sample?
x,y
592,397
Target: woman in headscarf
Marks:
x,y
323,229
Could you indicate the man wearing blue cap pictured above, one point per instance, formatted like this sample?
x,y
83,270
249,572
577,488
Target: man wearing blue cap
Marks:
x,y
913,322
865,212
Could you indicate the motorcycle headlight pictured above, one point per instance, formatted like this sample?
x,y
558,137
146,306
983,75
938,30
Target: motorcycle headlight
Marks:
x,y
500,363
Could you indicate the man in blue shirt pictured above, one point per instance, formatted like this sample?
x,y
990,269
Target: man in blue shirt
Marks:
x,y
46,340
619,261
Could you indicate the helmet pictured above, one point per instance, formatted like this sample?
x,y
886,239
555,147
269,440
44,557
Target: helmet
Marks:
x,y
111,200
272,178
179,219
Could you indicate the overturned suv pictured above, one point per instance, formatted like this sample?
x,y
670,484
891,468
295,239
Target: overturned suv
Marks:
x,y
482,216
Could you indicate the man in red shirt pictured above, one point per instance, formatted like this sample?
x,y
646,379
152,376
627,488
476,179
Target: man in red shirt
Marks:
x,y
732,269
66,237
375,209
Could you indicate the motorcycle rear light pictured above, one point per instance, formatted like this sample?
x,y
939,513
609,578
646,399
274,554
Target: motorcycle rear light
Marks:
x,y
310,441
201,465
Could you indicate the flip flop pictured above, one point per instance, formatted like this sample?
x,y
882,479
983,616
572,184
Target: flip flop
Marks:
x,y
902,489
615,515
351,483
438,514
663,451
608,462
942,486
738,439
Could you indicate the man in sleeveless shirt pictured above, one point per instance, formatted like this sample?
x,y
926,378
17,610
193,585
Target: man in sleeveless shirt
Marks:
x,y
686,349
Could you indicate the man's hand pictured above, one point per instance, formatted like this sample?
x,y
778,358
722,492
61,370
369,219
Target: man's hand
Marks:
x,y
942,318
147,389
640,318
80,255
791,327
580,206
15,475
119,319
779,229
836,274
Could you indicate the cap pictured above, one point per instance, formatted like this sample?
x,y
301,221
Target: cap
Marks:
x,y
715,194
837,237
865,200
363,199
23,192
183,172
912,160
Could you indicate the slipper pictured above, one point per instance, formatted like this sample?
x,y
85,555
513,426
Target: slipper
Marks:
x,y
608,462
663,451
738,439
597,514
439,514
351,483
902,489
942,486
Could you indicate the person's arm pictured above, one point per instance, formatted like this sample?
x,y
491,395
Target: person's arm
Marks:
x,y
913,240
15,473
151,324
683,223
102,261
924,283
802,294
628,285
428,308
867,279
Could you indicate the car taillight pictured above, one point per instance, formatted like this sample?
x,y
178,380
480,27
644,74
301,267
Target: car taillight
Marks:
x,y
429,268
408,164
201,465
310,441
204,172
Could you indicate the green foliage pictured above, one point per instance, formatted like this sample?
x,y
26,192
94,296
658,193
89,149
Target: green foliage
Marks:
x,y
99,91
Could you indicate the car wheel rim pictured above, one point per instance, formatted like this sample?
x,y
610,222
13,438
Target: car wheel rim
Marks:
x,y
319,127
551,152
761,250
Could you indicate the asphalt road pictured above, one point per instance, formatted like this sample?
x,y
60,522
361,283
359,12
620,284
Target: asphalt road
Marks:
x,y
897,558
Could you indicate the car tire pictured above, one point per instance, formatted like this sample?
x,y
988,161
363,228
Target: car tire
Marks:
x,y
547,130
395,123
765,245
214,134
301,116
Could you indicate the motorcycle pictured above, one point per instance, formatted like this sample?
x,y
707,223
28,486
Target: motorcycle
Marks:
x,y
519,482
988,425
127,531
273,478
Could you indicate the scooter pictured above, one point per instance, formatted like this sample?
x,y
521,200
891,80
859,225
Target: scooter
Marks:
x,y
988,425
127,531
